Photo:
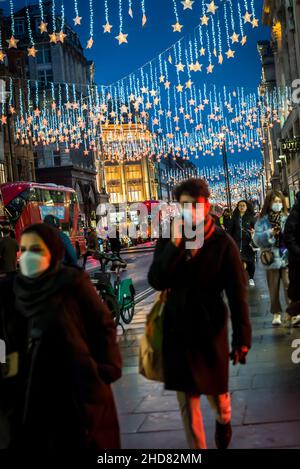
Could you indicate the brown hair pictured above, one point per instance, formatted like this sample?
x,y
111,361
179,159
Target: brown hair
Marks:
x,y
195,187
269,200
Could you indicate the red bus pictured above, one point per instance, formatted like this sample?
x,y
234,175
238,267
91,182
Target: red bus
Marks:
x,y
29,202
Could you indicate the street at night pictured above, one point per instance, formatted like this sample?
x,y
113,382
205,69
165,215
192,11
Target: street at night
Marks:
x,y
149,231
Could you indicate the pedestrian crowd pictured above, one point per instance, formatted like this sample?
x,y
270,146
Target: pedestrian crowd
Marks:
x,y
62,354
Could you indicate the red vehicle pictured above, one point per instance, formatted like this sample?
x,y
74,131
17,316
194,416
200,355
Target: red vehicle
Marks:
x,y
29,202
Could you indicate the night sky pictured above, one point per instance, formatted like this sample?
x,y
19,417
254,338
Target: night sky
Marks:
x,y
144,43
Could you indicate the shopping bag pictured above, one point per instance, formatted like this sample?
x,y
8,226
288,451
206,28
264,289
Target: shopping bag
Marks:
x,y
150,351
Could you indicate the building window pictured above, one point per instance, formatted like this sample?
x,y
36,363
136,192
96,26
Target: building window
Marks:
x,y
44,55
133,172
45,76
56,158
37,22
19,28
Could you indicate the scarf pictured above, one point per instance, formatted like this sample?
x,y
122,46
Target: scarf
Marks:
x,y
209,229
275,219
38,296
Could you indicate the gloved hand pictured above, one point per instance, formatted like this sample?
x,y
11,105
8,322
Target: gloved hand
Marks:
x,y
238,355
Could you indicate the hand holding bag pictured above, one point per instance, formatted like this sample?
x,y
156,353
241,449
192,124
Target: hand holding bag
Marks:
x,y
150,352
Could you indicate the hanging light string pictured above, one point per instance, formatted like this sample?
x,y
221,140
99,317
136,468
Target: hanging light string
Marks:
x,y
220,41
106,11
231,16
241,19
53,17
76,8
62,15
29,27
214,36
41,9
144,17
226,26
175,11
121,16
91,19
11,3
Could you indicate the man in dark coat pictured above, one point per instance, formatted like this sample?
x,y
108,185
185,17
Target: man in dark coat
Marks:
x,y
195,330
292,242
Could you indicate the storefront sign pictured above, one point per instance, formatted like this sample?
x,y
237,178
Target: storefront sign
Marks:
x,y
290,145
58,212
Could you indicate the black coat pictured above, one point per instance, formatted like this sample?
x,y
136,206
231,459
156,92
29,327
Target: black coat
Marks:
x,y
195,335
239,231
292,242
67,401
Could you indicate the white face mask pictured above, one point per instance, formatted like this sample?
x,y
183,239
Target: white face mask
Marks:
x,y
33,264
277,207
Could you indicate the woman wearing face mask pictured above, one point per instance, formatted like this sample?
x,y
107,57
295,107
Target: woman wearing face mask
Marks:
x,y
62,341
269,237
242,229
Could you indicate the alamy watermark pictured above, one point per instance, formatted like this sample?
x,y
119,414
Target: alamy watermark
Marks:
x,y
161,219
295,357
2,351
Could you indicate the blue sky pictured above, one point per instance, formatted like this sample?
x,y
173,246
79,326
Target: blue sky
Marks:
x,y
144,43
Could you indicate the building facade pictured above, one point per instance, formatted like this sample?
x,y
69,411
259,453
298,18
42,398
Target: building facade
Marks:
x,y
16,161
62,61
282,152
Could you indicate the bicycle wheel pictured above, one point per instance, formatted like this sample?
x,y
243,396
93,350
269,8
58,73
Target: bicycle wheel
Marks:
x,y
113,306
127,314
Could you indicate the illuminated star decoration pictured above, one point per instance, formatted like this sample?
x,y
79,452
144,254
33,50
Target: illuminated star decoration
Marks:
x,y
254,23
12,42
43,27
2,56
179,88
187,4
247,17
61,36
32,51
3,120
77,20
211,7
122,38
204,20
177,27
235,38
53,38
90,43
202,51
107,27
210,68
230,54
244,40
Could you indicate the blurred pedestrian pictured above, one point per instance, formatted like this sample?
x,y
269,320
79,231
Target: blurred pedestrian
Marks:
x,y
62,353
292,242
70,256
242,230
269,230
93,248
195,350
225,220
8,252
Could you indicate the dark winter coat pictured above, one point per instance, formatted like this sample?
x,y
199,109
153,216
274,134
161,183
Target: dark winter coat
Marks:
x,y
239,230
292,242
64,400
195,330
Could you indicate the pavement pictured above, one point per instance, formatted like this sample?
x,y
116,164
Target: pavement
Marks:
x,y
265,392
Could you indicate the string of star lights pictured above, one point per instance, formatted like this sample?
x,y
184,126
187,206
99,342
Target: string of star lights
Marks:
x,y
130,11
31,50
144,17
2,54
177,27
12,42
77,19
121,38
43,25
107,26
90,42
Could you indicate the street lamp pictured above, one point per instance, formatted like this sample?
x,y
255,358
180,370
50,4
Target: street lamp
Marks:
x,y
226,171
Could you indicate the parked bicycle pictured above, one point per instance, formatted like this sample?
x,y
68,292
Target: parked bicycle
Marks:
x,y
119,294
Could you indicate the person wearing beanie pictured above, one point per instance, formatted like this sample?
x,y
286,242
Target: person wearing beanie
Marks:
x,y
70,257
62,353
193,277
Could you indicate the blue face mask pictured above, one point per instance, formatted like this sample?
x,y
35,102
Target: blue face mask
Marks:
x,y
277,207
33,264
